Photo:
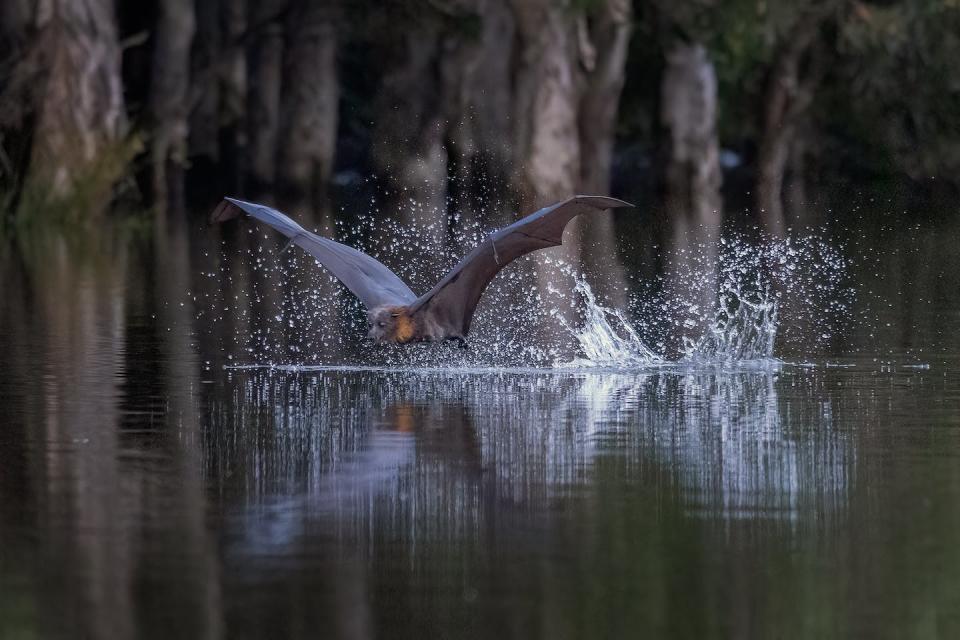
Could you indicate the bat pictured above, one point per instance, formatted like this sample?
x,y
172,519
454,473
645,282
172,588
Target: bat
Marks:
x,y
394,312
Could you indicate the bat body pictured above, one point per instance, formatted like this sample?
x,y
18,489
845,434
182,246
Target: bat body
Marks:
x,y
395,313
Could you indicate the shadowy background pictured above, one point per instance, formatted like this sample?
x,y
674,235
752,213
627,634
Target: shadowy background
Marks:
x,y
457,104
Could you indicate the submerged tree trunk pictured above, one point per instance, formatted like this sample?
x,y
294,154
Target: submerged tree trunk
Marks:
x,y
691,183
567,87
791,84
779,126
475,70
609,39
265,72
795,192
443,111
546,99
217,100
232,80
61,104
205,91
168,102
409,135
17,100
691,152
309,102
547,156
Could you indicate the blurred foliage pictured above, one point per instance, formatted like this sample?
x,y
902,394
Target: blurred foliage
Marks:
x,y
897,87
886,107
889,104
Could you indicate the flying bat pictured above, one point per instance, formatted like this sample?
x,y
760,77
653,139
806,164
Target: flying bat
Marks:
x,y
395,313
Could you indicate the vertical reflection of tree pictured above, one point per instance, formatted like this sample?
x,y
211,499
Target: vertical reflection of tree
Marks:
x,y
197,601
269,305
378,454
113,471
403,482
691,183
80,474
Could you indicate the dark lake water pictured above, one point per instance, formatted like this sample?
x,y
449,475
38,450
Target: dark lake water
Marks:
x,y
149,488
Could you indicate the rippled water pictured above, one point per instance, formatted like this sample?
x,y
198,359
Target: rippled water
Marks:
x,y
194,455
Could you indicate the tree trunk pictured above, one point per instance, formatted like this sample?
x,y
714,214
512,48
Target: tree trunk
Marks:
x,y
790,90
546,102
205,92
475,75
61,105
547,160
21,70
168,102
217,100
567,86
775,145
309,105
409,136
266,72
609,39
796,175
232,79
688,116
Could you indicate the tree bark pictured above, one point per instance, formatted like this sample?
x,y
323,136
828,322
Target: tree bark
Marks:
x,y
168,103
546,102
62,105
309,106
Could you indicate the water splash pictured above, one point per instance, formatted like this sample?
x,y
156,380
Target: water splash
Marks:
x,y
606,337
726,300
744,330
750,282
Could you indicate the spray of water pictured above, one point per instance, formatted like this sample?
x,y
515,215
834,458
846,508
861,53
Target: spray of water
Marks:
x,y
744,330
606,337
724,302
732,300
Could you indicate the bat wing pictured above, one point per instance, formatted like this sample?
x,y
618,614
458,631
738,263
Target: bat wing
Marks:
x,y
453,300
373,283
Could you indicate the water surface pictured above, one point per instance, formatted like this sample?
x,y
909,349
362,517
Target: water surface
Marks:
x,y
148,488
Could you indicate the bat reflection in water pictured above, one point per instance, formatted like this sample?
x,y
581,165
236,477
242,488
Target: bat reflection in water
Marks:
x,y
394,312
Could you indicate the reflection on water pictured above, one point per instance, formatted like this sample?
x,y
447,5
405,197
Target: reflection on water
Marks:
x,y
337,442
147,491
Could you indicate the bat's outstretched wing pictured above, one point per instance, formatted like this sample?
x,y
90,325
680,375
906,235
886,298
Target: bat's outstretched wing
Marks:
x,y
453,300
367,278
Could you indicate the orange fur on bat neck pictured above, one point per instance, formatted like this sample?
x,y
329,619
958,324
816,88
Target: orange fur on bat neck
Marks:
x,y
404,328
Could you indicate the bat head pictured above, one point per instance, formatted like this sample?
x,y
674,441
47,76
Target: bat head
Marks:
x,y
390,324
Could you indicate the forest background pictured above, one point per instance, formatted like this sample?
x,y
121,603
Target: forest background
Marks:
x,y
109,107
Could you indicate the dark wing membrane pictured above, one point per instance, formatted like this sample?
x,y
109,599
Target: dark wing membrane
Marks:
x,y
455,297
367,278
